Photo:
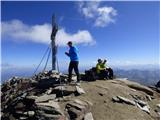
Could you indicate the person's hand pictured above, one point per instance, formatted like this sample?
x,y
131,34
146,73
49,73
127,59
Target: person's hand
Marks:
x,y
66,53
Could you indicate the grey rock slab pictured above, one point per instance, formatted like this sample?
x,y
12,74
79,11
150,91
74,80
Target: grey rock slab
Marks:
x,y
115,99
158,106
32,97
126,100
148,97
29,113
77,109
144,108
80,90
23,118
50,103
139,87
45,98
84,103
52,117
49,91
140,102
88,116
66,90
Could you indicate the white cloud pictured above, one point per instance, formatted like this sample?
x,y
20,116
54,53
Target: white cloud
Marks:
x,y
101,16
18,31
78,38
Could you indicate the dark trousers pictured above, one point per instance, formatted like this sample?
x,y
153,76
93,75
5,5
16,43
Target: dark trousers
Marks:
x,y
110,71
103,74
73,65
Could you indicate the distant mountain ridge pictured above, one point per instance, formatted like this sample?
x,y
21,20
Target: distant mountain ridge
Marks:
x,y
146,77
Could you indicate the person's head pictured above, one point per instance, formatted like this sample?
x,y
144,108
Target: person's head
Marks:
x,y
99,61
69,43
105,61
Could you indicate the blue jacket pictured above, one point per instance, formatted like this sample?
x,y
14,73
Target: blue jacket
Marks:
x,y
73,54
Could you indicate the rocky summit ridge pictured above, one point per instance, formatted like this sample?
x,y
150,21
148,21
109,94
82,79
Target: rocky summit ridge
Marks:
x,y
47,96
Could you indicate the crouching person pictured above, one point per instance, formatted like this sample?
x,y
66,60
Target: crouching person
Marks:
x,y
101,70
109,70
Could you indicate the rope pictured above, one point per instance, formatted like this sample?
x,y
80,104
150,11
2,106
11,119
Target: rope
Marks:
x,y
41,59
60,77
47,60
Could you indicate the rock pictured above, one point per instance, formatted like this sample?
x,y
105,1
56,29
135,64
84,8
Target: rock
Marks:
x,y
45,98
40,99
11,117
46,82
140,102
88,116
23,118
49,91
33,83
77,109
80,90
125,100
50,107
55,76
53,72
45,116
30,113
64,90
158,106
32,97
148,97
115,99
141,88
51,103
157,110
19,106
144,108
5,87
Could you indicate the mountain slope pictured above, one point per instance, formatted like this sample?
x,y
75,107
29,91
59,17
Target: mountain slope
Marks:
x,y
42,97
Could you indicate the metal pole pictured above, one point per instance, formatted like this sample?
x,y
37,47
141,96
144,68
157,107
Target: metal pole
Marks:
x,y
53,44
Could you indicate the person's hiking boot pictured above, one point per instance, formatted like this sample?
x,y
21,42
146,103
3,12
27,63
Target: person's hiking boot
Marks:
x,y
78,83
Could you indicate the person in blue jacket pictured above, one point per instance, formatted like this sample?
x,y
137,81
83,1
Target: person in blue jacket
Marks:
x,y
74,61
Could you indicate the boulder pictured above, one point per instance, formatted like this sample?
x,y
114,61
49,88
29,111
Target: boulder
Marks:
x,y
51,103
47,82
49,110
64,90
142,88
43,98
138,86
77,109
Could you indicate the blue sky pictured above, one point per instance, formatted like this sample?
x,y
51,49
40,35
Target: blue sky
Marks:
x,y
124,33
